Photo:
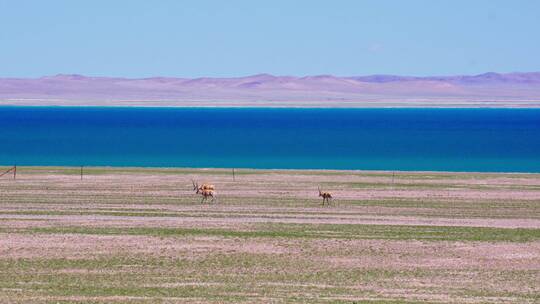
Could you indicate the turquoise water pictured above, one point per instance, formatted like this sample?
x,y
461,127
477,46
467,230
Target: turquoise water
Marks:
x,y
389,139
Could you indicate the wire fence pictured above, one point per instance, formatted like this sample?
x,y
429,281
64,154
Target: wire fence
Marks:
x,y
12,169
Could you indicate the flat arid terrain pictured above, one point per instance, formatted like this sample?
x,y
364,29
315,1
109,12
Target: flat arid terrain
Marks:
x,y
131,235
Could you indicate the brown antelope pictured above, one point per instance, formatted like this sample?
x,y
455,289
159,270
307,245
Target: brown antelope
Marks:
x,y
326,196
205,194
206,190
202,187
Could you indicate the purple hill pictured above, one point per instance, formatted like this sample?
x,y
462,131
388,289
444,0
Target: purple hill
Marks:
x,y
325,90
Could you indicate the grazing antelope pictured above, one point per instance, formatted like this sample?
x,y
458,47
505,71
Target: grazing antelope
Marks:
x,y
326,196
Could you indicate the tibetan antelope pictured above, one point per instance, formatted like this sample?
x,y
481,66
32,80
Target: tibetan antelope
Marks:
x,y
326,196
202,187
206,190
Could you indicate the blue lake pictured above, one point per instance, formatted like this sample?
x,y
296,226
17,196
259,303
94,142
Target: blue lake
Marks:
x,y
387,139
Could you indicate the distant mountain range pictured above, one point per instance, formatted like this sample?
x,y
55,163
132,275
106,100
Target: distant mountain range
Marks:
x,y
267,89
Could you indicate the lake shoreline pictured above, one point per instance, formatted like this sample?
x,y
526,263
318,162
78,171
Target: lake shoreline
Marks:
x,y
240,170
510,104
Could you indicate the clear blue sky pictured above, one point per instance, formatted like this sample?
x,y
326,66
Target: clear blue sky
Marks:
x,y
292,37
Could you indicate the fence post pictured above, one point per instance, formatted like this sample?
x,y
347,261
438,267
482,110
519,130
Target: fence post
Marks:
x,y
81,172
233,174
15,172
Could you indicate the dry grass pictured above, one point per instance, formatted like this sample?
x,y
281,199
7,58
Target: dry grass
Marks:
x,y
132,235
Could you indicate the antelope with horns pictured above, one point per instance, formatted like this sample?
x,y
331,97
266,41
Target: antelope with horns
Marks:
x,y
202,187
206,190
326,196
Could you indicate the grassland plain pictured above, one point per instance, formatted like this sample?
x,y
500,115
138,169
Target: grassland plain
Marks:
x,y
136,235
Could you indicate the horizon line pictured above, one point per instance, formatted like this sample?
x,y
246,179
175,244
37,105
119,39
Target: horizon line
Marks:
x,y
272,75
